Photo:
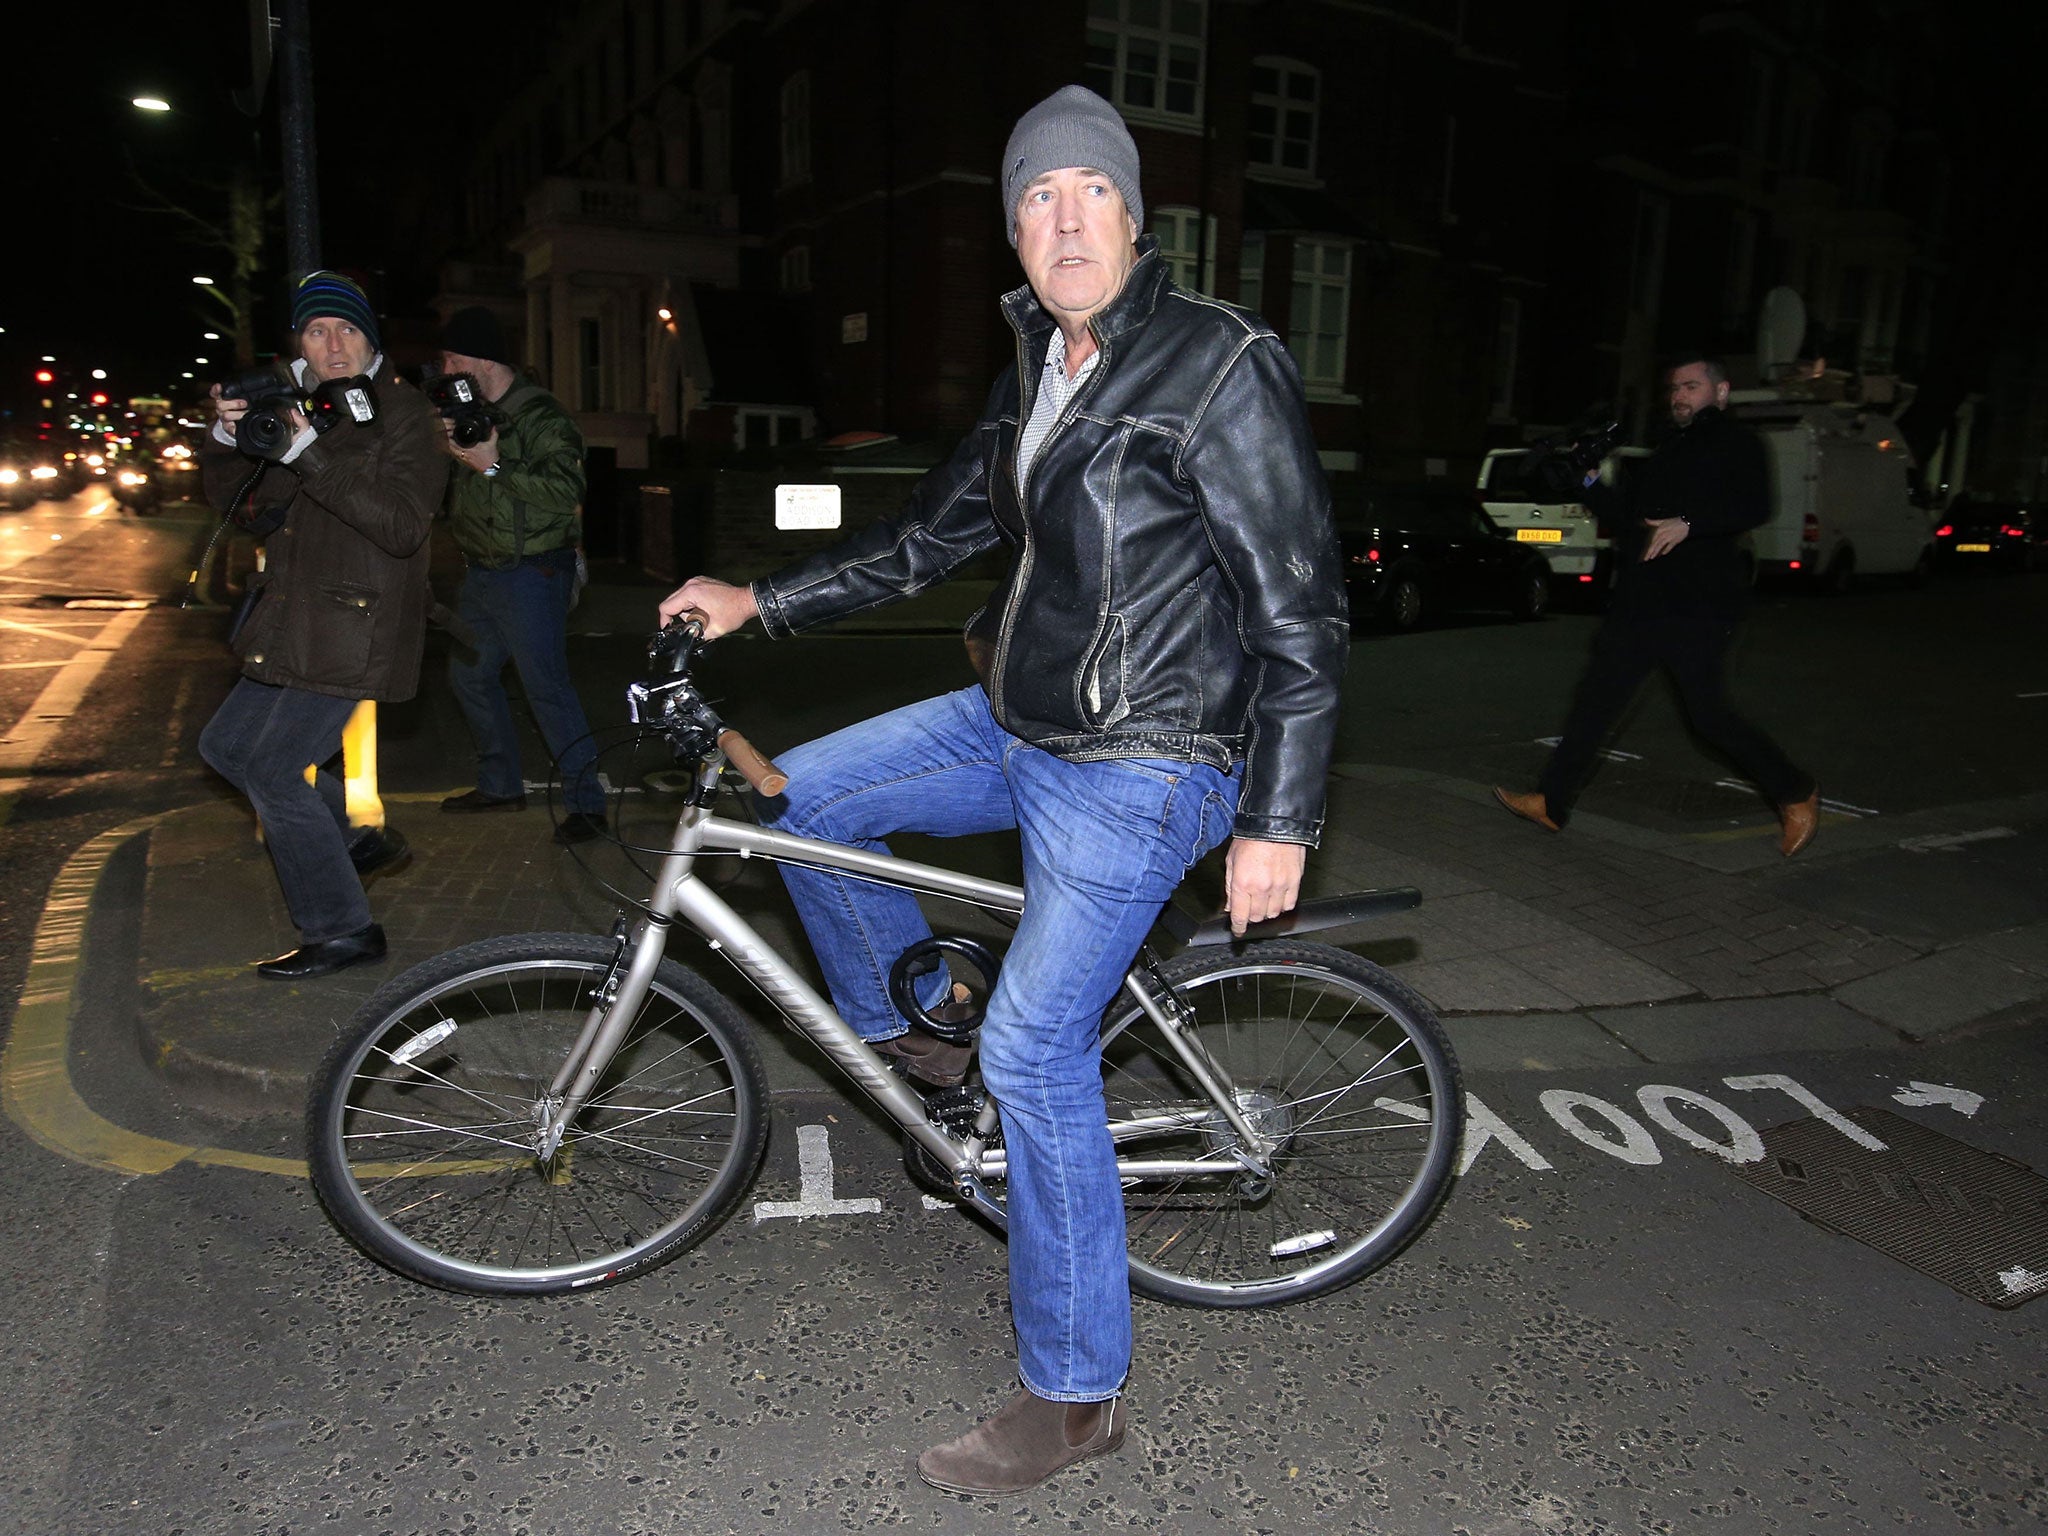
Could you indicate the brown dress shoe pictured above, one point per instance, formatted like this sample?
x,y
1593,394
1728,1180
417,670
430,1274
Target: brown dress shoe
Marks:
x,y
1026,1440
1801,820
1532,807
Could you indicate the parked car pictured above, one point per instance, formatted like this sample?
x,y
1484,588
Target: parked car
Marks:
x,y
1411,551
2002,534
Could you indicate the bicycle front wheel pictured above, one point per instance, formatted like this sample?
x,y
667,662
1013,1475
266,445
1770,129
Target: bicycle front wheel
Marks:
x,y
426,1122
1342,1070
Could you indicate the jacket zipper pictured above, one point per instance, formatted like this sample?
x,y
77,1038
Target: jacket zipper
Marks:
x,y
997,667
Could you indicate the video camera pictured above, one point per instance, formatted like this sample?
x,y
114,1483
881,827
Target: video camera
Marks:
x,y
1579,455
456,396
266,432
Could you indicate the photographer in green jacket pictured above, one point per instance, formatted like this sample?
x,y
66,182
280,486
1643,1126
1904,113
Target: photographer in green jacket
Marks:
x,y
515,509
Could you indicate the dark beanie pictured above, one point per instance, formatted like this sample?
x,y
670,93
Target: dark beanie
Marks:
x,y
1073,127
333,296
475,332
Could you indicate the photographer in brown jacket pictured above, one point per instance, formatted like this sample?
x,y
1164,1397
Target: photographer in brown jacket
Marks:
x,y
337,615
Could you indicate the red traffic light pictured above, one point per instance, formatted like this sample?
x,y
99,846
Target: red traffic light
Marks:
x,y
99,399
44,376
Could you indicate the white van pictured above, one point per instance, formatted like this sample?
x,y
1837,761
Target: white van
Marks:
x,y
1531,512
1841,502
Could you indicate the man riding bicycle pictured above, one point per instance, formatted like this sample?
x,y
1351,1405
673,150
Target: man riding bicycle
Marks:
x,y
1162,668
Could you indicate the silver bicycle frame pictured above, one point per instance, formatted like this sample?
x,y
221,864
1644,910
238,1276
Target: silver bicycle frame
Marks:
x,y
679,893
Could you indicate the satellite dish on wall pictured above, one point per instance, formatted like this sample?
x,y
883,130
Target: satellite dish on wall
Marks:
x,y
1780,329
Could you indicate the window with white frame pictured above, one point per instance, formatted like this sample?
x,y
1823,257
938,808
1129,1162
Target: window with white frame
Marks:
x,y
796,269
1146,55
1175,230
1507,348
1251,269
1646,259
1280,127
590,391
768,426
1320,313
796,128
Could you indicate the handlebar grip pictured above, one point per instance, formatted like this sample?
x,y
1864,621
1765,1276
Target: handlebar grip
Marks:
x,y
753,767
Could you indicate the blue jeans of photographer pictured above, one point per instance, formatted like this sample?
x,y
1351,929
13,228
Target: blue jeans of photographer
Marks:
x,y
521,615
260,740
1104,846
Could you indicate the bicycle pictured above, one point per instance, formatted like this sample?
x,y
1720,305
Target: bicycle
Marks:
x,y
548,1113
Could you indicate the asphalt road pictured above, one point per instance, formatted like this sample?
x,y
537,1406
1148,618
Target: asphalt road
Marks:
x,y
1602,1343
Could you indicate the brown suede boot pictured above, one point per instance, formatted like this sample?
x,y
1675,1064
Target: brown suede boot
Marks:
x,y
1022,1444
930,1060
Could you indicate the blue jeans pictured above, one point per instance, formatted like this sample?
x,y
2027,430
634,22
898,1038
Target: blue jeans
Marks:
x,y
521,615
260,740
1104,845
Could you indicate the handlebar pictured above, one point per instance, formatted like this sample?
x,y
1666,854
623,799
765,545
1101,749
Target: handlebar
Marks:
x,y
675,708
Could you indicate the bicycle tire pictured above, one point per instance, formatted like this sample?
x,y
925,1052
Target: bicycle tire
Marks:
x,y
428,1164
1346,1067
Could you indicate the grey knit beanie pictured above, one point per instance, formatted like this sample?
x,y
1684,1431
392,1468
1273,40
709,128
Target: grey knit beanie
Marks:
x,y
1071,127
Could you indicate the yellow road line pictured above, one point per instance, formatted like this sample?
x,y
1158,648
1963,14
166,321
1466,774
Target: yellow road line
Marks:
x,y
36,1090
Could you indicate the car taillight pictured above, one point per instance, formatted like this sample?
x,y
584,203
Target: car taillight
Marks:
x,y
2012,532
1585,578
1944,530
1794,564
1373,555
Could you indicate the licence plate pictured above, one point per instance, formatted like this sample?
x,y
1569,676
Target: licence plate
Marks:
x,y
1973,549
1539,535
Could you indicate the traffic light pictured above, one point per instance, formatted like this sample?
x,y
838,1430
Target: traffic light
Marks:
x,y
44,376
99,399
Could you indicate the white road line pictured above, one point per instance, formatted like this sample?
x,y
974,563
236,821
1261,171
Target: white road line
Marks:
x,y
35,730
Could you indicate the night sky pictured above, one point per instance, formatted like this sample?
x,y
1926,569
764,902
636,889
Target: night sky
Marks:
x,y
98,283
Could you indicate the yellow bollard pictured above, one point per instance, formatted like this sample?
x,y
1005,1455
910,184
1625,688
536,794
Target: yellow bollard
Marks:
x,y
359,767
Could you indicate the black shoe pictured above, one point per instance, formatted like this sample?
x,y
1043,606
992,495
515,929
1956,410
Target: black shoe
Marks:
x,y
580,827
325,958
477,800
378,851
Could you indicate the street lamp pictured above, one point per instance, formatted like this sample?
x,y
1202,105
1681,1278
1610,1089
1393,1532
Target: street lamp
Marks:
x,y
151,103
204,282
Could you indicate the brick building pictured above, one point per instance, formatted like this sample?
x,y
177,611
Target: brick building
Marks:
x,y
727,228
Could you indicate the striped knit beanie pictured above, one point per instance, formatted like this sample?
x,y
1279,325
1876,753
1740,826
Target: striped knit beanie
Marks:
x,y
331,295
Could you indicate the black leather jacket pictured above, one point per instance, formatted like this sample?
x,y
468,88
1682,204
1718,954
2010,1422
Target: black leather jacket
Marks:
x,y
1174,589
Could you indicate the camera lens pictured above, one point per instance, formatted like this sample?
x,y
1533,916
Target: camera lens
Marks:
x,y
263,432
471,429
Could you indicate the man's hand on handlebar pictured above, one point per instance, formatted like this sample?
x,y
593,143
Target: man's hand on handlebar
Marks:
x,y
721,606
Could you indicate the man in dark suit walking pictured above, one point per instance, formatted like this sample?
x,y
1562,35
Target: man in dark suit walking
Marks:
x,y
1682,589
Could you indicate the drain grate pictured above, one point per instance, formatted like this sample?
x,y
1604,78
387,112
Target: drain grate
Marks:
x,y
1973,1220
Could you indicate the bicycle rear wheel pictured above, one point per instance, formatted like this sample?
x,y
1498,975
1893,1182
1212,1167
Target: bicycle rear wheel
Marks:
x,y
424,1121
1345,1069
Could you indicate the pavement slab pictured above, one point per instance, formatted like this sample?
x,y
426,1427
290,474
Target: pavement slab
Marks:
x,y
1611,940
1944,991
1689,1032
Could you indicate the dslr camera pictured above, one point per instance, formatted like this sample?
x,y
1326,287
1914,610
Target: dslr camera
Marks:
x,y
456,396
266,431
